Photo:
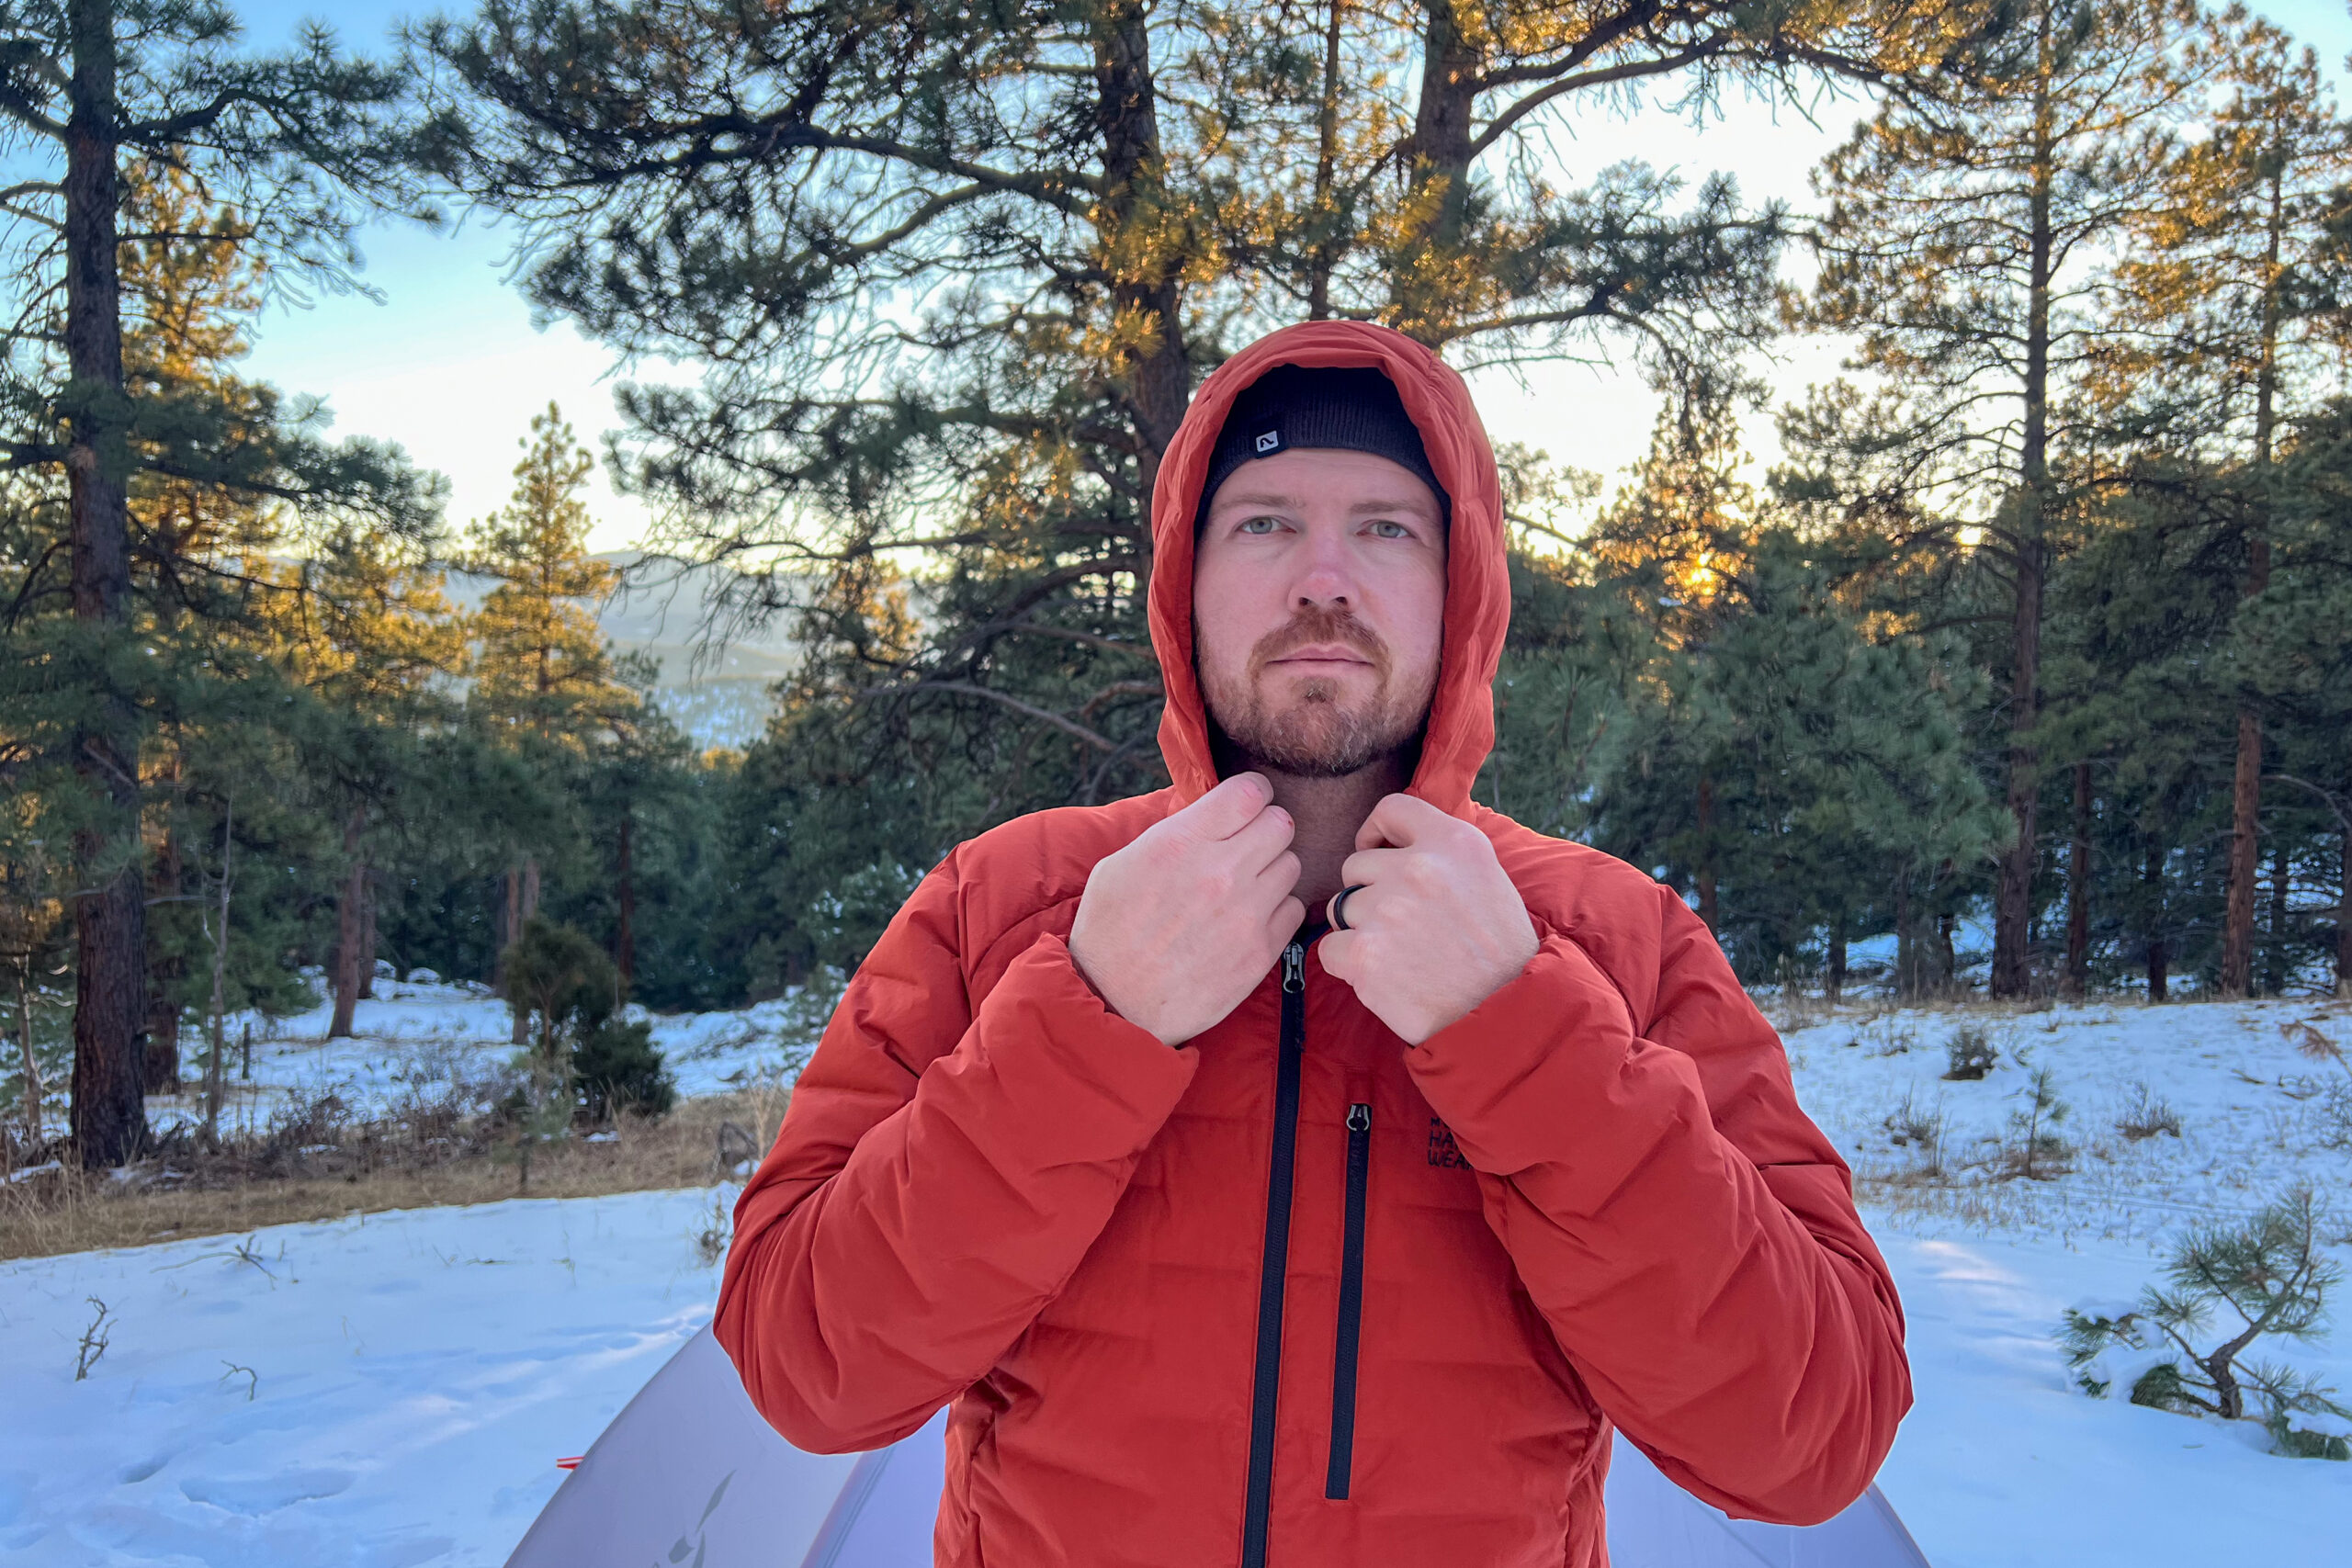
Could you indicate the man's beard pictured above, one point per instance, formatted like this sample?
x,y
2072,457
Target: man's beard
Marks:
x,y
1316,734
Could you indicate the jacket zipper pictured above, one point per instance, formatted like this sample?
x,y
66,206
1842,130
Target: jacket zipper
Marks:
x,y
1259,1500
1343,1357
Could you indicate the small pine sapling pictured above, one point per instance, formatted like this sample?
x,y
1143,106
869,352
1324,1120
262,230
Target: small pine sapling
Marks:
x,y
2270,1276
1971,1054
1920,1129
2036,1152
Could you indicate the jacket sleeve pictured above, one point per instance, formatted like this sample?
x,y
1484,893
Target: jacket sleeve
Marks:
x,y
939,1174
1688,1232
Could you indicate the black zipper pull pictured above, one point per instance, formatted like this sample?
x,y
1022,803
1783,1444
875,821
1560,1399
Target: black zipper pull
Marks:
x,y
1359,1118
1294,968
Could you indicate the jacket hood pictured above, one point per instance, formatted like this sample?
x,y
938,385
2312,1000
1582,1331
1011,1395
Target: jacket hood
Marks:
x,y
1477,583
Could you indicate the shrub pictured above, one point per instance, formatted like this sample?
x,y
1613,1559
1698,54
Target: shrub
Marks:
x,y
2147,1115
2267,1274
1908,1126
1971,1054
586,1059
617,1068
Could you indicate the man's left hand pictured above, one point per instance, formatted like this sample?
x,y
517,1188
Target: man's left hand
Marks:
x,y
1435,926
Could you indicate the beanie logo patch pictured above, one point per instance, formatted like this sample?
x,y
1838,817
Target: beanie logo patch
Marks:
x,y
1269,441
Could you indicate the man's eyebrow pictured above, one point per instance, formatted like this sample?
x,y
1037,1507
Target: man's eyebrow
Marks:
x,y
1394,503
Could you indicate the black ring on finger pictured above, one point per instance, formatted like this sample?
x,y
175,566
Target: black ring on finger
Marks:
x,y
1339,907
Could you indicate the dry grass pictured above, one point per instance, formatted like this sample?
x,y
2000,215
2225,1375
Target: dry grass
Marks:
x,y
319,1165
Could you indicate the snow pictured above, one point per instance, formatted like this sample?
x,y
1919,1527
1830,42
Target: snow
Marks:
x,y
395,1390
385,1391
420,1035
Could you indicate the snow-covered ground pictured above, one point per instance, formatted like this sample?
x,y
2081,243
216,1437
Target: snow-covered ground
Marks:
x,y
414,1037
394,1390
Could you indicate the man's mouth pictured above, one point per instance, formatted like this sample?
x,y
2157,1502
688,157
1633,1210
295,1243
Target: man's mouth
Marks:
x,y
1322,653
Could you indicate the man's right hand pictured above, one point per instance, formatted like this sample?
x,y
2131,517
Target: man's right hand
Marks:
x,y
1177,928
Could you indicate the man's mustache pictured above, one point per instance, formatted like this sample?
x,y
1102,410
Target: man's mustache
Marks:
x,y
1318,624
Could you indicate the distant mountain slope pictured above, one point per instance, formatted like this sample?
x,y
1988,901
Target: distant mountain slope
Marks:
x,y
716,675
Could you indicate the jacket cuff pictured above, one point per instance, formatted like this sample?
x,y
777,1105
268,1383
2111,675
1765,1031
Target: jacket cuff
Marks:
x,y
1044,1025
1543,1056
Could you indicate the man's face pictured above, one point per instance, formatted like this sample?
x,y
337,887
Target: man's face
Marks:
x,y
1318,605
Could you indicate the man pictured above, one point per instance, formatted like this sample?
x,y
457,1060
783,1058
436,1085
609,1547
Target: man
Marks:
x,y
1238,1234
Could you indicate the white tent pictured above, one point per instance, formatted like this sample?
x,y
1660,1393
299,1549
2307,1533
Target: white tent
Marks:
x,y
690,1476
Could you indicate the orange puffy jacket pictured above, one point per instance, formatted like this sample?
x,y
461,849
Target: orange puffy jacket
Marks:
x,y
1294,1294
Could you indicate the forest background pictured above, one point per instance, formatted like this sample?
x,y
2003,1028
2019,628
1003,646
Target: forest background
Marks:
x,y
2037,624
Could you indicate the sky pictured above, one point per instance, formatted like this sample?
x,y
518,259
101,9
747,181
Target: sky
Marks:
x,y
451,365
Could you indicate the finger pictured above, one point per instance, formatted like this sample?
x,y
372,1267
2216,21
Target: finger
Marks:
x,y
1230,807
1361,908
1400,821
1278,878
1366,867
1266,836
1337,952
1283,924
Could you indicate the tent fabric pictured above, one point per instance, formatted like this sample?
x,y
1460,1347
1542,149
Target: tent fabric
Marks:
x,y
690,1476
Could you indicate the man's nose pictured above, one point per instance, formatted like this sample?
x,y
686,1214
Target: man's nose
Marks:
x,y
1326,577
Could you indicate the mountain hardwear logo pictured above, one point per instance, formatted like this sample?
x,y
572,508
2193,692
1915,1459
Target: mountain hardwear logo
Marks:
x,y
1269,441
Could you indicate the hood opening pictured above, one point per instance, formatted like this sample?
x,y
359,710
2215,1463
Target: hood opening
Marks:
x,y
1461,727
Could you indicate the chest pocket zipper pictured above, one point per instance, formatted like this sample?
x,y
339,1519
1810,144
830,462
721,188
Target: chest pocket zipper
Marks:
x,y
1343,1359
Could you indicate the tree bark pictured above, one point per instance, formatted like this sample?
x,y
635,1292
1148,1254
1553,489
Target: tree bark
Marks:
x,y
1157,380
1835,977
2344,922
1906,943
2274,962
160,1057
32,1089
2078,889
348,925
624,935
1324,254
524,900
213,1065
1438,161
367,934
2159,955
2246,792
109,1118
1707,877
2013,899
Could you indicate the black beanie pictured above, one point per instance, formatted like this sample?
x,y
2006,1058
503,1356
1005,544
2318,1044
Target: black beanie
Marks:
x,y
1355,409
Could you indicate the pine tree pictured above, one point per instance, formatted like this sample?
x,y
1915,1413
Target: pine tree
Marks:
x,y
2222,282
109,94
1959,248
544,675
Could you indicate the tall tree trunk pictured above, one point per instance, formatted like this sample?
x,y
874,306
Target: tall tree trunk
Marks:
x,y
2245,791
110,1116
1438,169
2344,920
2078,889
524,900
2013,899
32,1089
510,926
1324,254
624,935
2159,955
1906,943
1157,380
368,933
350,923
1707,910
2274,962
213,1065
1947,956
160,1057
1835,976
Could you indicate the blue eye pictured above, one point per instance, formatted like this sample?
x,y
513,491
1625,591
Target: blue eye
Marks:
x,y
1388,530
1259,526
